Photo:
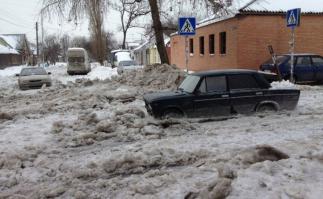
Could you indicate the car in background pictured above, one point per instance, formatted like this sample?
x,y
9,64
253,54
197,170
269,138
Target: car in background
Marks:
x,y
78,61
33,77
120,55
221,93
307,67
128,65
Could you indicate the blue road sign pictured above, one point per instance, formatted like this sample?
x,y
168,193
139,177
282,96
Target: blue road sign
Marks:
x,y
186,25
293,17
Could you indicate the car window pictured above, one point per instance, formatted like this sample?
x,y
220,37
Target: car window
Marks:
x,y
33,71
317,61
303,61
76,59
127,63
216,84
189,84
240,82
202,87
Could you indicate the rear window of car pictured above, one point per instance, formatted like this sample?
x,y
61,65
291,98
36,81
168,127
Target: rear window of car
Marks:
x,y
76,59
317,61
33,71
243,81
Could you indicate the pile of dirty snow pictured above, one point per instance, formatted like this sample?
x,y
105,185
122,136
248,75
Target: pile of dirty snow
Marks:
x,y
157,76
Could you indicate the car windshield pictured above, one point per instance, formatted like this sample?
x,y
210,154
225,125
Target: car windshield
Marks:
x,y
33,71
127,63
279,59
189,83
76,59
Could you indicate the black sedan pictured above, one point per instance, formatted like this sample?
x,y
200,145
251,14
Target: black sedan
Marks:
x,y
220,93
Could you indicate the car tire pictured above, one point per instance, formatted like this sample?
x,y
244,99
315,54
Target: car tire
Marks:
x,y
263,108
172,113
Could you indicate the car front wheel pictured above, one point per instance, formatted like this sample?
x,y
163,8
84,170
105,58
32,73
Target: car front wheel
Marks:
x,y
173,113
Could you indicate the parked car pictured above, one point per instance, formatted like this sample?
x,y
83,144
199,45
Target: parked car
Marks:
x,y
33,77
307,67
127,66
221,93
78,61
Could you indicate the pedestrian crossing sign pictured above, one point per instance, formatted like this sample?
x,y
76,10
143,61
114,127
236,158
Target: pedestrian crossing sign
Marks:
x,y
186,25
293,17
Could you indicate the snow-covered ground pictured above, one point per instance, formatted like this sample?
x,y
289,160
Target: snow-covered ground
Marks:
x,y
85,138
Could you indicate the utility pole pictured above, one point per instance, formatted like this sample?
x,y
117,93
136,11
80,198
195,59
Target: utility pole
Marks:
x,y
42,37
37,44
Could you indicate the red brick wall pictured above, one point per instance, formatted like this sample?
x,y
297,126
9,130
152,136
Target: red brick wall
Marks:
x,y
247,39
257,32
207,61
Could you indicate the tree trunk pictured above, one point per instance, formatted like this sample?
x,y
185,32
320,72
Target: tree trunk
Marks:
x,y
124,40
158,31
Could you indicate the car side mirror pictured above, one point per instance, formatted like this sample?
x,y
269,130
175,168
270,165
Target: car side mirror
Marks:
x,y
49,73
17,75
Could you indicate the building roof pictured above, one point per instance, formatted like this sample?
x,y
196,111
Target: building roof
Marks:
x,y
279,6
264,7
7,45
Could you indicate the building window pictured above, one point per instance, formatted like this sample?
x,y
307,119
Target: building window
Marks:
x,y
211,44
191,46
202,45
223,42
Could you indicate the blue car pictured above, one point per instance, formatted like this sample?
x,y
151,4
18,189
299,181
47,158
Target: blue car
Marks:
x,y
307,67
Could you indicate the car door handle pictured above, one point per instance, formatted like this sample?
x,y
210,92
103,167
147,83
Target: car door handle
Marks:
x,y
259,93
224,96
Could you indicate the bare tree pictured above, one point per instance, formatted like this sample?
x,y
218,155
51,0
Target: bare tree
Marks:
x,y
129,12
52,49
76,10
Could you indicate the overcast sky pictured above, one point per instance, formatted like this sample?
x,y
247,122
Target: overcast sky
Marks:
x,y
20,16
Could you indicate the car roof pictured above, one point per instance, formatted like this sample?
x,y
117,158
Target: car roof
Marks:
x,y
301,54
33,68
224,72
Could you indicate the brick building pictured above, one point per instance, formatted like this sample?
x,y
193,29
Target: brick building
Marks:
x,y
241,39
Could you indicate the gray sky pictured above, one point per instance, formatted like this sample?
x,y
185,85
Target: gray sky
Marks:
x,y
20,16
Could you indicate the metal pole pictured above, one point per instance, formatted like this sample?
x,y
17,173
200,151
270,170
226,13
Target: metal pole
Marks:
x,y
186,53
42,36
292,55
37,43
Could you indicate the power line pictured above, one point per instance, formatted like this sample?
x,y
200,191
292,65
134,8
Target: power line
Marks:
x,y
12,23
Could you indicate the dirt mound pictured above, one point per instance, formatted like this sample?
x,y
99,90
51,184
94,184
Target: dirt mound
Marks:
x,y
158,76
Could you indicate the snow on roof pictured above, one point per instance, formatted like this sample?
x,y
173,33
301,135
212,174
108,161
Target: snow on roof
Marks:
x,y
141,46
307,6
13,39
6,47
268,6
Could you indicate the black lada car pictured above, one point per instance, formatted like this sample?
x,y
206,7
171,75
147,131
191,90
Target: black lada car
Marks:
x,y
220,93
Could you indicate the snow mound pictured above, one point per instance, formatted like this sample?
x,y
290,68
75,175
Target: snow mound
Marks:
x,y
158,76
283,85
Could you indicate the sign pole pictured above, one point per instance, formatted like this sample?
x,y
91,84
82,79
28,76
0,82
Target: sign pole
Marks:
x,y
293,19
186,27
292,56
186,53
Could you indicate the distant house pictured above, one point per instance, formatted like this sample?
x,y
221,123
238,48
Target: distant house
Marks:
x,y
14,50
241,39
147,53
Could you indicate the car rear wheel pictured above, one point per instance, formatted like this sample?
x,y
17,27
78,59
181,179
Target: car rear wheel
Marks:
x,y
266,108
173,113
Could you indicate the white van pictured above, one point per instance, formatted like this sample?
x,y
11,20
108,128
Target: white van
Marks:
x,y
120,55
77,61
